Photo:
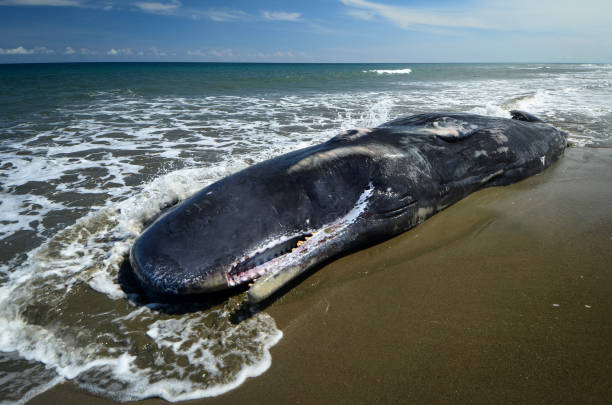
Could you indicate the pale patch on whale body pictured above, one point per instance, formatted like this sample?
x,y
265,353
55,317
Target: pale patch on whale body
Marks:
x,y
502,149
449,127
499,136
491,176
318,159
423,213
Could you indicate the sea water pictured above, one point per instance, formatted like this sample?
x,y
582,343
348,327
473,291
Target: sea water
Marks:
x,y
90,153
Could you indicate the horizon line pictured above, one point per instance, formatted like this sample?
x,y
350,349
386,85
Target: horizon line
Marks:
x,y
304,63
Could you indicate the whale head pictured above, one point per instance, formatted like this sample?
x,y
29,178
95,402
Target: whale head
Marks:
x,y
263,225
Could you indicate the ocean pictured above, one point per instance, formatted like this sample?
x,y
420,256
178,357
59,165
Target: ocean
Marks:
x,y
91,153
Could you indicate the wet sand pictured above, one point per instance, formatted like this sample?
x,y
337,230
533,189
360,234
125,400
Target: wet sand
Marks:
x,y
505,297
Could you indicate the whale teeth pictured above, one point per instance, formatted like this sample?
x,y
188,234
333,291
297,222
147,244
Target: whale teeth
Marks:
x,y
300,243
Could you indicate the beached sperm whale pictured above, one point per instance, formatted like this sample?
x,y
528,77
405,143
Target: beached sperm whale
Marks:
x,y
276,219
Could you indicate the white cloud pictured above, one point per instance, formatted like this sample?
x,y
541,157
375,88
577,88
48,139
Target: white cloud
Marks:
x,y
20,50
220,15
116,52
158,7
214,53
157,52
281,54
239,15
360,14
52,3
517,15
44,50
69,51
280,16
16,51
221,53
407,17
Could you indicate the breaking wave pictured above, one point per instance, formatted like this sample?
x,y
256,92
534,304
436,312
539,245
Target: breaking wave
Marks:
x,y
389,71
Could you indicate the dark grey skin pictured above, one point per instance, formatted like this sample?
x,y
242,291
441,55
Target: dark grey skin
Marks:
x,y
279,218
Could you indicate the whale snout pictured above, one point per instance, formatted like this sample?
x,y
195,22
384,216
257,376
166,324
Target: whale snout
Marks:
x,y
162,274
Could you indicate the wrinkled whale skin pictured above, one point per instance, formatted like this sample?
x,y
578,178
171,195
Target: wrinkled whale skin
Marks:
x,y
276,219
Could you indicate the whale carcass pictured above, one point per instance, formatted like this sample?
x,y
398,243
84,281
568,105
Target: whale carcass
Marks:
x,y
276,219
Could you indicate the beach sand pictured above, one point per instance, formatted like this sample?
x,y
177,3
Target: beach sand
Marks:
x,y
505,297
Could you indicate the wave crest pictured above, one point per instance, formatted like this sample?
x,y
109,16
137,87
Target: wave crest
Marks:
x,y
389,71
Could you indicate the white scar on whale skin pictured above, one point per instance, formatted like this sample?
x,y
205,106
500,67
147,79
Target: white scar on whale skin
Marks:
x,y
502,149
499,136
491,176
448,127
319,158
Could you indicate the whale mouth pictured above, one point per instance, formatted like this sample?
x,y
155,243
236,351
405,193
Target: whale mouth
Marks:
x,y
265,260
272,266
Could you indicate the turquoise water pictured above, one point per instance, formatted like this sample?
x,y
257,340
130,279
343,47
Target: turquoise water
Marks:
x,y
90,152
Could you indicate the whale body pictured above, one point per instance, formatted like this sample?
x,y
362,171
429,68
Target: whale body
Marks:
x,y
271,222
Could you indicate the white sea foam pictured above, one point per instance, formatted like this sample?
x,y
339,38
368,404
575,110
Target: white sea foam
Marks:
x,y
106,155
81,261
390,71
597,65
88,254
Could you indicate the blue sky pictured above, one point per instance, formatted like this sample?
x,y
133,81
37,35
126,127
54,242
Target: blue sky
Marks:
x,y
306,31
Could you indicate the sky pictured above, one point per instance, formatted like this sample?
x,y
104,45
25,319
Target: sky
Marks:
x,y
306,31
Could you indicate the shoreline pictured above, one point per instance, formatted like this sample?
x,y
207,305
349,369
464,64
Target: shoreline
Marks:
x,y
503,297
